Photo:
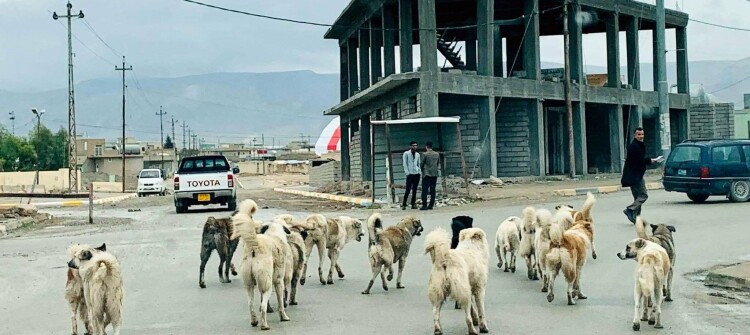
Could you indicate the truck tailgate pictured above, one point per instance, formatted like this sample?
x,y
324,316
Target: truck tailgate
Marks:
x,y
203,181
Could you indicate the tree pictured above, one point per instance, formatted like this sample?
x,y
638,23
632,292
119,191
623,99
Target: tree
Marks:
x,y
50,148
168,143
16,154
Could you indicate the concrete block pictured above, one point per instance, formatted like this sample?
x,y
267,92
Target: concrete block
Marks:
x,y
733,277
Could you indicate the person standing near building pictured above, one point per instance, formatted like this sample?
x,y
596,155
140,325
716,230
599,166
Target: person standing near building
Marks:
x,y
430,161
411,161
633,171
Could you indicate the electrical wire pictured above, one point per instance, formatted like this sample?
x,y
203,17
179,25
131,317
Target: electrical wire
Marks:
x,y
90,28
720,25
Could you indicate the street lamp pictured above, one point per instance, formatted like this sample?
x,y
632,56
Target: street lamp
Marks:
x,y
38,119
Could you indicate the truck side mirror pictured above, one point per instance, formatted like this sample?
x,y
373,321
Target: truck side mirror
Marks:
x,y
235,170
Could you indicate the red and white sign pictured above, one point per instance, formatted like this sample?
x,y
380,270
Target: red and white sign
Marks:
x,y
330,138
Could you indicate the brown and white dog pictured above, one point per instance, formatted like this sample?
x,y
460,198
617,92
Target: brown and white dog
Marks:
x,y
584,215
528,230
341,230
264,262
388,246
74,291
543,225
460,274
661,234
568,253
653,266
102,287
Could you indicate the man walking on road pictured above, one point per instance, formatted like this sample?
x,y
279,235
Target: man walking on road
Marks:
x,y
429,175
632,174
412,165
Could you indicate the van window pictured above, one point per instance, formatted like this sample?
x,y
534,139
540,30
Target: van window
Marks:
x,y
686,154
746,149
726,154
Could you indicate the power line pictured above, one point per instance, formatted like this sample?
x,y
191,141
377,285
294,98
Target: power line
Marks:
x,y
90,28
731,85
87,47
721,25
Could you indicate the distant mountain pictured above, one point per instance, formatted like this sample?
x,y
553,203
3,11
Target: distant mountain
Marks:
x,y
230,107
279,107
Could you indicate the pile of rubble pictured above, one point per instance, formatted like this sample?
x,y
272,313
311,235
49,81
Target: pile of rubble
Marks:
x,y
18,212
14,217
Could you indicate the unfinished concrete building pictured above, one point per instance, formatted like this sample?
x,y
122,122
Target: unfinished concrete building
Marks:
x,y
513,116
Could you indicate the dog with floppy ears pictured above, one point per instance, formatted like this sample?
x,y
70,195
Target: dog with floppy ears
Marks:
x,y
458,273
102,287
341,230
74,292
316,227
388,246
661,234
266,260
653,266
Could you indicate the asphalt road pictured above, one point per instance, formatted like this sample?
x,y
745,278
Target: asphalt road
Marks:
x,y
159,254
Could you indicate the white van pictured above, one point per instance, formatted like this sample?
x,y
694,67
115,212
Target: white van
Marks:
x,y
151,181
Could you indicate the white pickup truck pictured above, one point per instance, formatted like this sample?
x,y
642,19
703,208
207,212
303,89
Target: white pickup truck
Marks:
x,y
203,180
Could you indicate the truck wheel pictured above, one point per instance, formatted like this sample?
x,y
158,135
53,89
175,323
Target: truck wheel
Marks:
x,y
232,204
180,207
697,198
739,191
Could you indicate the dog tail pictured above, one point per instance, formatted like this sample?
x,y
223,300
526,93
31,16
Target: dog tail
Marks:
x,y
529,216
248,207
107,265
585,213
243,226
437,241
448,276
555,235
640,228
543,218
374,227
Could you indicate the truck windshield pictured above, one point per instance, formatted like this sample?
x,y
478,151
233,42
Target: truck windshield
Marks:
x,y
150,174
204,164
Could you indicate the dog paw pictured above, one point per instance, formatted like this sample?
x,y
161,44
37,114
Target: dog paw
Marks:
x,y
544,290
302,281
365,292
202,285
550,297
506,270
659,326
651,322
234,273
254,323
535,277
500,265
644,318
400,286
322,281
330,282
581,296
385,288
668,299
636,326
438,332
390,277
341,275
483,329
513,270
593,255
285,319
265,328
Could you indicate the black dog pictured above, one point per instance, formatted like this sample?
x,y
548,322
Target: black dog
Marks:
x,y
459,223
216,233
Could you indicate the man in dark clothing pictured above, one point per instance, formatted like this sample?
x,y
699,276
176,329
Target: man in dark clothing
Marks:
x,y
430,161
632,174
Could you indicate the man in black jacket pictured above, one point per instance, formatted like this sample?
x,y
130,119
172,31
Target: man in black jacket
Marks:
x,y
632,174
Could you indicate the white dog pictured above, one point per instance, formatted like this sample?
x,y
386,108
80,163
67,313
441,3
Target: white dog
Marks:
x,y
653,266
528,230
341,230
507,241
265,261
102,287
74,291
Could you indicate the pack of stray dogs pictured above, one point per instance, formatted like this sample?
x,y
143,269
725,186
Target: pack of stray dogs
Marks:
x,y
275,256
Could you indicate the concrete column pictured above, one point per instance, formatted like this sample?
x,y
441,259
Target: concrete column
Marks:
x,y
345,161
616,138
428,53
514,58
613,50
365,146
405,35
488,124
351,47
683,75
389,39
634,58
471,50
485,37
364,58
344,71
531,53
655,62
579,138
497,54
635,120
376,42
537,164
576,44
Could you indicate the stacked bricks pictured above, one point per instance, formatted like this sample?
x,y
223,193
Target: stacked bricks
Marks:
x,y
712,121
513,152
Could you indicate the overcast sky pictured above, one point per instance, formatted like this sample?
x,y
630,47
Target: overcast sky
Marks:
x,y
169,38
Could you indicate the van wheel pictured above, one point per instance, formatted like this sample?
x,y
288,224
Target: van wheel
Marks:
x,y
697,198
739,191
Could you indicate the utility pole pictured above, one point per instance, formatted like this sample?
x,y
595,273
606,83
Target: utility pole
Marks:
x,y
123,69
174,146
568,102
38,119
184,142
13,121
662,87
161,125
189,139
72,161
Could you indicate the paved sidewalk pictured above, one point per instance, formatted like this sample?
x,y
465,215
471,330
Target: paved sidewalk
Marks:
x,y
569,192
100,198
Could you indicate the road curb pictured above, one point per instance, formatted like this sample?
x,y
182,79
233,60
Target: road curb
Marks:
x,y
734,277
571,192
77,203
365,202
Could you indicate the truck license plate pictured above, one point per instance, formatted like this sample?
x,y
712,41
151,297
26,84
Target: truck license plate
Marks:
x,y
681,172
204,197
